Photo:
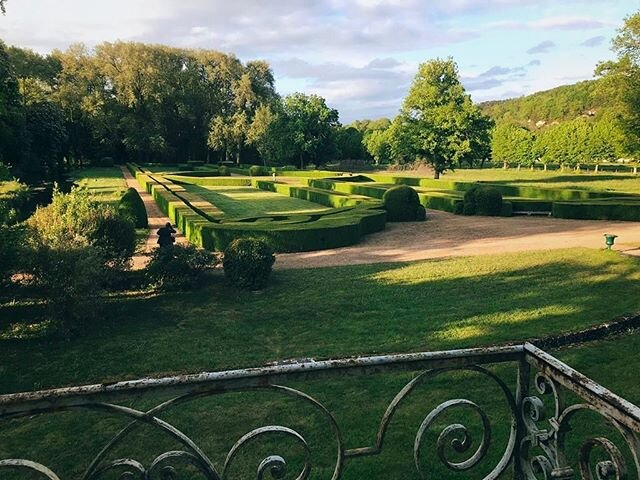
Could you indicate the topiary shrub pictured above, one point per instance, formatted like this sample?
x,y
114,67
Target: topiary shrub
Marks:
x,y
180,267
131,205
403,205
488,201
224,171
258,171
248,262
482,200
115,235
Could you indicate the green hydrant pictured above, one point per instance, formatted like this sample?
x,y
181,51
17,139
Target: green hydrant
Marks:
x,y
609,240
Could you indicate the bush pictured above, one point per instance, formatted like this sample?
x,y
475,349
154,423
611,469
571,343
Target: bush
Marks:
x,y
179,267
15,202
105,162
403,205
12,251
131,205
76,217
488,201
482,200
224,171
70,278
115,236
5,173
258,171
248,262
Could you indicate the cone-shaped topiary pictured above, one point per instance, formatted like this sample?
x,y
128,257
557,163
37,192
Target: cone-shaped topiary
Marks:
x,y
131,205
403,205
247,263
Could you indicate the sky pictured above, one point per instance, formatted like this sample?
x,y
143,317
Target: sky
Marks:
x,y
360,55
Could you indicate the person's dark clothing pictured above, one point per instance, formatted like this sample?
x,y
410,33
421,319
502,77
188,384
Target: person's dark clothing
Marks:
x,y
165,236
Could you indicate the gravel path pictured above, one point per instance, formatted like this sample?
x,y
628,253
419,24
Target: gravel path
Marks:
x,y
448,235
157,219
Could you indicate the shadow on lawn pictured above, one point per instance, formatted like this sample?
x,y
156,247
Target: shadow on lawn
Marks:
x,y
321,313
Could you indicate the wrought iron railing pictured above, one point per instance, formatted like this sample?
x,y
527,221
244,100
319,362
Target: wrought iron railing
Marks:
x,y
542,404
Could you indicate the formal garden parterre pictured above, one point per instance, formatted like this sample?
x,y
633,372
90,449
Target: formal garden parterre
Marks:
x,y
298,210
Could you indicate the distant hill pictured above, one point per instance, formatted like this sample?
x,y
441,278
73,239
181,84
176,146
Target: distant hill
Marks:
x,y
556,105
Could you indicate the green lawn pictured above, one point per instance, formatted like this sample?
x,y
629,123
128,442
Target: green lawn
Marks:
x,y
592,181
320,313
105,183
239,202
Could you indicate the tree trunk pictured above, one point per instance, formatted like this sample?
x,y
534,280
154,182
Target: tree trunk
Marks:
x,y
301,162
436,174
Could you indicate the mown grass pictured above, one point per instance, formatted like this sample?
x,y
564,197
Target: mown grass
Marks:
x,y
106,184
239,202
621,182
321,313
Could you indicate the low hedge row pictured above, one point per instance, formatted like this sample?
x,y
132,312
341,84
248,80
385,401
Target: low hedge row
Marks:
x,y
610,209
294,233
212,181
315,195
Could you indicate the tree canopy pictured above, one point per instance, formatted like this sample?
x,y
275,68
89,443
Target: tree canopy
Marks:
x,y
438,122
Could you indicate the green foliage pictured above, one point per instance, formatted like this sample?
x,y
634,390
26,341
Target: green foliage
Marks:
x,y
181,267
313,127
258,171
12,251
482,200
378,145
15,202
248,262
349,144
223,171
621,82
512,143
627,209
76,219
403,205
556,105
70,278
5,173
438,122
132,206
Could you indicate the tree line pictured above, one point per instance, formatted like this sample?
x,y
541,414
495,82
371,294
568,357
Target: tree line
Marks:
x,y
128,101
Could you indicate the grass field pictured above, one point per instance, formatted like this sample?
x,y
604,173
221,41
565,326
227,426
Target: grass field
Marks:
x,y
332,312
105,183
591,181
239,202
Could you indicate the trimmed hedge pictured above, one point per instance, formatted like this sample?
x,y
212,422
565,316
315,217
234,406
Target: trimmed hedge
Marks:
x,y
615,209
403,204
286,233
132,206
258,171
483,200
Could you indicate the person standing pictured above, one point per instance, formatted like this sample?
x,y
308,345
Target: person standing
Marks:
x,y
165,236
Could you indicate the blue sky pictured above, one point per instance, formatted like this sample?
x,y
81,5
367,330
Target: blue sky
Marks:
x,y
359,54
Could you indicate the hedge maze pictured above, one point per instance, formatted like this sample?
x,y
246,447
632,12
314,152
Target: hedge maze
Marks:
x,y
314,210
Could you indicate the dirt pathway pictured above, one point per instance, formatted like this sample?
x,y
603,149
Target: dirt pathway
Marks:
x,y
448,235
157,219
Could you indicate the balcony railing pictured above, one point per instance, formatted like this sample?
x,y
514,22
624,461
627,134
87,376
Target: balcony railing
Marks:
x,y
541,404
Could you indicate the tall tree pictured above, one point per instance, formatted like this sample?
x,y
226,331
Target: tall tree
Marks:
x,y
513,143
313,125
622,80
438,122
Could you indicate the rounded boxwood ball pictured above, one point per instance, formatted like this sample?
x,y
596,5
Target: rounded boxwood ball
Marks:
x,y
248,262
403,205
131,205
